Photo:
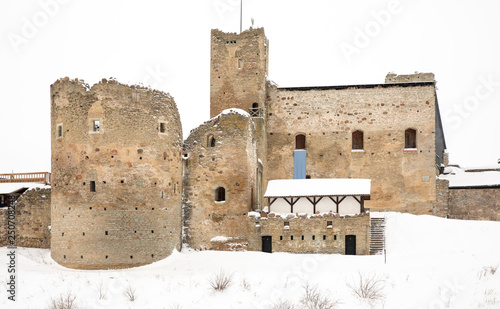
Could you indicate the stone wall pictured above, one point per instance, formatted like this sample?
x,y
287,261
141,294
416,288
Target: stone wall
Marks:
x,y
482,203
317,234
116,191
32,220
441,208
402,179
229,163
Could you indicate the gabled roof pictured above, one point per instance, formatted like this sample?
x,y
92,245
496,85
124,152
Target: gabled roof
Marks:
x,y
317,187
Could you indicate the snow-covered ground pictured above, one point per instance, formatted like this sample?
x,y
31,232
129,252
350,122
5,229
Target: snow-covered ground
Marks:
x,y
431,263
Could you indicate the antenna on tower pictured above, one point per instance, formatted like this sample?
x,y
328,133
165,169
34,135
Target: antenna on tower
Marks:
x,y
241,16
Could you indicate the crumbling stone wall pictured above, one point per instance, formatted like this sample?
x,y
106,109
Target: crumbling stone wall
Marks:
x,y
317,234
238,70
231,164
32,220
402,179
116,191
409,78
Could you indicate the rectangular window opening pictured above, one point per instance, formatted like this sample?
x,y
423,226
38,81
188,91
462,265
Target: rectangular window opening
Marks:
x,y
92,186
96,125
163,127
59,130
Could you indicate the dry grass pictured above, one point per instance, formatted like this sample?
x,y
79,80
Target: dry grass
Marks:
x,y
63,302
221,281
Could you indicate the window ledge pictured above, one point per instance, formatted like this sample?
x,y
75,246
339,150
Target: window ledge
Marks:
x,y
357,150
220,202
410,149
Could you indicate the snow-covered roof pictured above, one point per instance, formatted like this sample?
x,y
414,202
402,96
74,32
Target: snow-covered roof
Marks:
x,y
459,177
13,187
317,187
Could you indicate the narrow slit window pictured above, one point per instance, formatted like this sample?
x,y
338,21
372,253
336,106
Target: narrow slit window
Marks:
x,y
59,130
300,141
410,138
220,194
92,186
357,140
211,141
239,63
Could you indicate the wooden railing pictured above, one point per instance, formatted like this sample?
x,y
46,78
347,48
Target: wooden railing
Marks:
x,y
255,112
43,177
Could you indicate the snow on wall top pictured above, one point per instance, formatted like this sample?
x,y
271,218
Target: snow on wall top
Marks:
x,y
459,177
8,188
317,187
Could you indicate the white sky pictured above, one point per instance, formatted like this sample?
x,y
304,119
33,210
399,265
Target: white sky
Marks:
x,y
166,44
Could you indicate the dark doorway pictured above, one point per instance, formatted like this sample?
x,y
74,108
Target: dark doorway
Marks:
x,y
267,244
350,244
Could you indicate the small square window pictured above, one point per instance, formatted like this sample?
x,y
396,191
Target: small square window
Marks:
x,y
95,126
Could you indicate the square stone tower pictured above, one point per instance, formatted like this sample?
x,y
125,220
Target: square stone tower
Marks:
x,y
239,66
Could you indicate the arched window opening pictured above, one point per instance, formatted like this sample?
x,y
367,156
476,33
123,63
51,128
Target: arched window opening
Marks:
x,y
255,105
220,194
410,138
211,141
300,141
357,140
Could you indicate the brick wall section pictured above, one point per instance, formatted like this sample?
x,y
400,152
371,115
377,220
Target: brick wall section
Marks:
x,y
231,164
32,220
324,241
401,180
134,215
475,204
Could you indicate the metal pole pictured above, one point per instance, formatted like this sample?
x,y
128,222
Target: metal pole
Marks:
x,y
241,16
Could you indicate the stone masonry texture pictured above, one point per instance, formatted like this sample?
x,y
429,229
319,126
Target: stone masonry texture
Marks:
x,y
402,179
230,164
32,220
116,191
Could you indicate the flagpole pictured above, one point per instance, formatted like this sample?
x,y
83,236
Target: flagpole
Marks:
x,y
241,16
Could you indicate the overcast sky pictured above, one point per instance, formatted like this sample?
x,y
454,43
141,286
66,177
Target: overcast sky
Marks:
x,y
166,45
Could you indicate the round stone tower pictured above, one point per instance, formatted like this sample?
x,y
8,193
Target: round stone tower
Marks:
x,y
116,175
